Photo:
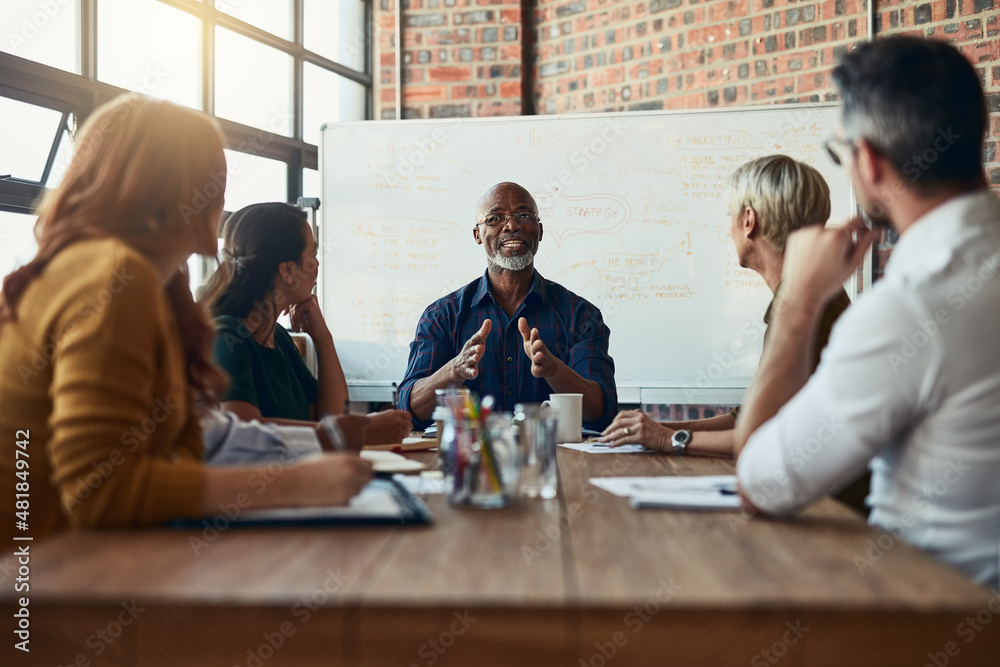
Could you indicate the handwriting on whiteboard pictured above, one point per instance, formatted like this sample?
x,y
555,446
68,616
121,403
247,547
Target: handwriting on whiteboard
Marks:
x,y
721,140
584,214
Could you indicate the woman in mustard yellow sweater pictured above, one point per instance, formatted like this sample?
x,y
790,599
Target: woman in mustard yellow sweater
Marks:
x,y
104,355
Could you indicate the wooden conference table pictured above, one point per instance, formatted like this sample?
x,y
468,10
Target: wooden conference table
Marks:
x,y
580,580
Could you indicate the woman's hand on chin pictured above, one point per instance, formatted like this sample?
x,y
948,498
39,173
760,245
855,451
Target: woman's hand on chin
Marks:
x,y
307,317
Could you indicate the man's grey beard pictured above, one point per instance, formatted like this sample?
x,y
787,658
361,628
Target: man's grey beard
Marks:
x,y
515,263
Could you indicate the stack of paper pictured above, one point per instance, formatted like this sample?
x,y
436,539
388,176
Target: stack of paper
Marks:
x,y
714,492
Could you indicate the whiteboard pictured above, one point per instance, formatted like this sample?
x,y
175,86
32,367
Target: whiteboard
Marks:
x,y
635,220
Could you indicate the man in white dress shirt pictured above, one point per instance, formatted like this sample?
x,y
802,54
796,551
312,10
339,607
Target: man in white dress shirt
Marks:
x,y
910,381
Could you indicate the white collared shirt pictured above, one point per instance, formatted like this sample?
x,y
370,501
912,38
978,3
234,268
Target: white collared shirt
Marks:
x,y
909,382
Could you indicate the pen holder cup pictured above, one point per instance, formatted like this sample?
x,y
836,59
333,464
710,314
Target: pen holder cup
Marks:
x,y
479,462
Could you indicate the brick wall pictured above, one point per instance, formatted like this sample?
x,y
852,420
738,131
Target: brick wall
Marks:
x,y
604,55
613,55
678,413
974,27
461,58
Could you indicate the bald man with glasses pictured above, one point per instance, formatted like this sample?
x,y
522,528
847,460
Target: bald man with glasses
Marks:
x,y
511,333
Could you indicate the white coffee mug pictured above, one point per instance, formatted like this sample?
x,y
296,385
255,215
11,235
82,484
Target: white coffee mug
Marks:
x,y
569,408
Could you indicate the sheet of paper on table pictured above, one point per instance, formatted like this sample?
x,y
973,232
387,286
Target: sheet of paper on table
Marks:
x,y
604,448
711,492
373,501
422,485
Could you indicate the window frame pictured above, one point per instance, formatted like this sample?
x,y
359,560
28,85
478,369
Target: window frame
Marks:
x,y
48,103
81,94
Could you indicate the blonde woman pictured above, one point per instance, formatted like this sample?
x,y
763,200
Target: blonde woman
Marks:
x,y
769,198
105,356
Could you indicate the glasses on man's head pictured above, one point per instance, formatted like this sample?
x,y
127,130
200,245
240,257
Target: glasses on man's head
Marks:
x,y
834,145
497,219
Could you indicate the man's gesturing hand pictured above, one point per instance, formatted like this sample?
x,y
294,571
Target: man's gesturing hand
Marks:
x,y
466,365
543,363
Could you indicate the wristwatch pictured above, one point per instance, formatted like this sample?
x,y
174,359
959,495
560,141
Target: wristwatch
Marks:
x,y
680,440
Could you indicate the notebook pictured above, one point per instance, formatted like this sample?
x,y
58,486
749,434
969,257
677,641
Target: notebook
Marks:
x,y
384,461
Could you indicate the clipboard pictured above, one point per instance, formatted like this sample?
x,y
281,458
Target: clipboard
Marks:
x,y
383,502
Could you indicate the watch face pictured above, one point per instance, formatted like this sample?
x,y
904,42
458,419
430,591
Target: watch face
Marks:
x,y
682,437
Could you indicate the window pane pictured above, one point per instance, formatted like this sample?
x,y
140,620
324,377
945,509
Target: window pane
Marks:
x,y
150,48
274,16
336,30
254,179
64,155
41,31
201,268
253,83
26,136
328,98
17,240
311,186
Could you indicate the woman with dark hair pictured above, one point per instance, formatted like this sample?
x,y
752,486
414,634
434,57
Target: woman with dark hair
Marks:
x,y
270,267
104,355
